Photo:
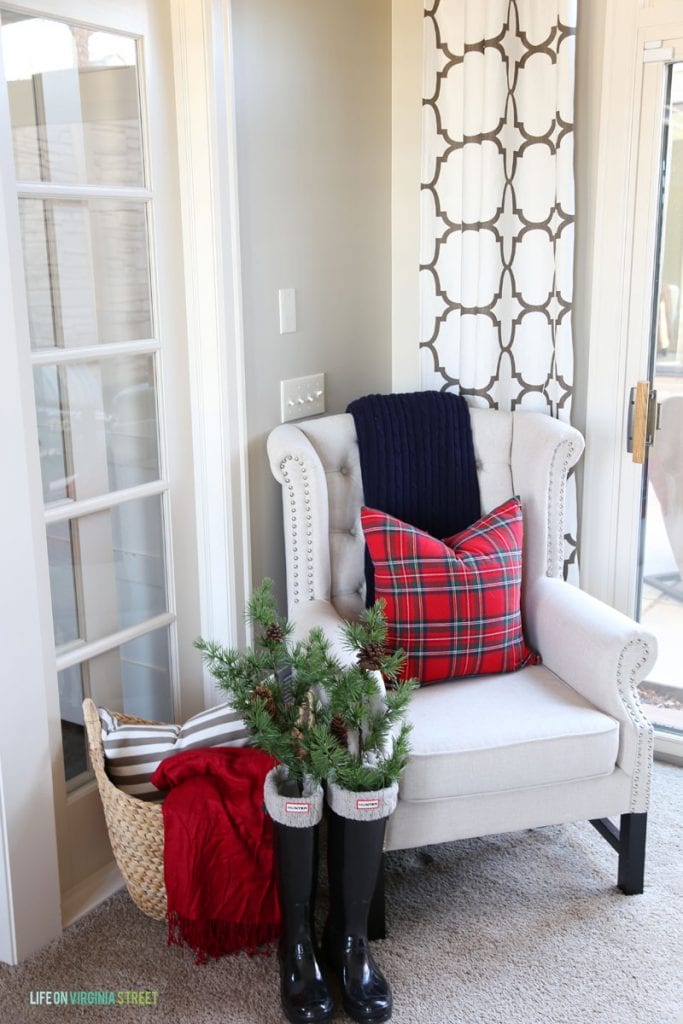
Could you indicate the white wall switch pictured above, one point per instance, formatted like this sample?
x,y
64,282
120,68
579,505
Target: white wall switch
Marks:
x,y
302,397
287,302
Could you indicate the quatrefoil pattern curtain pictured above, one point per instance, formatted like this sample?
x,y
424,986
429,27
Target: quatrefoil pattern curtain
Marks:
x,y
498,204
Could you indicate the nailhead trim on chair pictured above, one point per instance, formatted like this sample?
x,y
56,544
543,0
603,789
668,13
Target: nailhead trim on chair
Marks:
x,y
297,586
555,570
641,723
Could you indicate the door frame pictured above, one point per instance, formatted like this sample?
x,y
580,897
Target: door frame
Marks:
x,y
623,249
31,786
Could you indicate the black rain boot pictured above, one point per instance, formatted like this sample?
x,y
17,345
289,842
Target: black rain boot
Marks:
x,y
304,993
354,852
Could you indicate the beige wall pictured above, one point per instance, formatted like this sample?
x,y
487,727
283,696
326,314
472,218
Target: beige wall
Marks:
x,y
590,38
313,98
406,120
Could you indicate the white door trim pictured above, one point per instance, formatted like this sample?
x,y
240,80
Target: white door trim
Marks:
x,y
202,56
603,461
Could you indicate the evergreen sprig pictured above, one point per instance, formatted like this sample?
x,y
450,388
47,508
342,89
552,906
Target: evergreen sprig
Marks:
x,y
272,686
372,720
313,714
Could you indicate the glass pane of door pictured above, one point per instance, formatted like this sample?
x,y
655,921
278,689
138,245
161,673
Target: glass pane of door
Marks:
x,y
86,266
97,426
109,568
661,566
132,678
74,102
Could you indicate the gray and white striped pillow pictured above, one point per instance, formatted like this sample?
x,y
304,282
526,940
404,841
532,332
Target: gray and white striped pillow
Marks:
x,y
219,726
133,752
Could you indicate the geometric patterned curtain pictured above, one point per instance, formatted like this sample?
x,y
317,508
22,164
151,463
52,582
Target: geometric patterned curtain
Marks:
x,y
497,243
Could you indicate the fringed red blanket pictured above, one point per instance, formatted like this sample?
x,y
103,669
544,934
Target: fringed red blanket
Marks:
x,y
219,864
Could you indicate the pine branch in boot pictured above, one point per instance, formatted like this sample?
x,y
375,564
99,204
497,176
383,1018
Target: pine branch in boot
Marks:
x,y
277,686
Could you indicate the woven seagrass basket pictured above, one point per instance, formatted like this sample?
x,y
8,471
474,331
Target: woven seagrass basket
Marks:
x,y
136,827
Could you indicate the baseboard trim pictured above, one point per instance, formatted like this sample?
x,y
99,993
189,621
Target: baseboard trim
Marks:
x,y
85,896
669,747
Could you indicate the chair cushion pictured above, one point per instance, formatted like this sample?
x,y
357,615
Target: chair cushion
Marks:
x,y
133,751
452,605
495,733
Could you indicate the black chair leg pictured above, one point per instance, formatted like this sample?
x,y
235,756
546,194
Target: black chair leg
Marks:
x,y
376,917
629,842
632,831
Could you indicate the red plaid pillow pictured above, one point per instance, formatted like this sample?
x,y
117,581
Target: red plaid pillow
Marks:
x,y
452,605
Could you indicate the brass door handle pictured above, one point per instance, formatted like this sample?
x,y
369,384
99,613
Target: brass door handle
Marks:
x,y
643,420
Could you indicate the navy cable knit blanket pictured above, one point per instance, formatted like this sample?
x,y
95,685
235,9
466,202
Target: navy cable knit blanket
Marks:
x,y
417,462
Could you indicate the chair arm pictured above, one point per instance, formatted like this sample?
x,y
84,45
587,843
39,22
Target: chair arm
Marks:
x,y
296,466
324,615
603,655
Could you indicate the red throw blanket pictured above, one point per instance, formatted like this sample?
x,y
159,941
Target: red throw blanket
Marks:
x,y
219,863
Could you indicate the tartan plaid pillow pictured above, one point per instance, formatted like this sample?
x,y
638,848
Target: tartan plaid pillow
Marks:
x,y
453,605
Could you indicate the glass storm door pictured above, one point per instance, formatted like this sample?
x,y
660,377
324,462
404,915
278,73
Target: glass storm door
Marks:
x,y
99,227
659,601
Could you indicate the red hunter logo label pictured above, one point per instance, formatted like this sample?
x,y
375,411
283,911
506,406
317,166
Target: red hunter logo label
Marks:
x,y
297,808
367,805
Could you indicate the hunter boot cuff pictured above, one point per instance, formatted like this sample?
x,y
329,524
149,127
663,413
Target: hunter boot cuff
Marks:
x,y
284,804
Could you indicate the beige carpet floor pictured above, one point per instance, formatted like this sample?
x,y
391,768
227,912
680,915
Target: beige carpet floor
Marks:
x,y
511,929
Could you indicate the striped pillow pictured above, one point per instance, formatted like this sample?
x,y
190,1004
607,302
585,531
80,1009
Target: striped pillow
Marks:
x,y
216,727
133,752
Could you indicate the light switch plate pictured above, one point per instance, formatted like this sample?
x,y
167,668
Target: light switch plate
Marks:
x,y
302,397
287,303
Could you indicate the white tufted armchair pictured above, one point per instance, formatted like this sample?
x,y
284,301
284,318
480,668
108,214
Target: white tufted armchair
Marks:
x,y
558,742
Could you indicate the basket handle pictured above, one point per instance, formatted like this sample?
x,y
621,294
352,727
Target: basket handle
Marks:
x,y
93,729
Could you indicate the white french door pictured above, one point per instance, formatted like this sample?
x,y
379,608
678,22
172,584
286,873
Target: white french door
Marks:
x,y
633,480
88,135
656,349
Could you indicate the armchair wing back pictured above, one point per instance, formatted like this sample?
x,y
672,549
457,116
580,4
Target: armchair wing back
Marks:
x,y
318,466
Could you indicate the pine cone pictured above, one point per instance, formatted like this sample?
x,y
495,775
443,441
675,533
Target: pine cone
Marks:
x,y
370,656
339,729
266,696
274,634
